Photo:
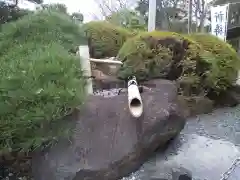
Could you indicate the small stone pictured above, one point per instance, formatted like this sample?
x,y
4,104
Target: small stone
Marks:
x,y
184,177
181,174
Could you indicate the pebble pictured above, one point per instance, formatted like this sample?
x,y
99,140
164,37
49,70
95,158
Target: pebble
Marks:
x,y
107,93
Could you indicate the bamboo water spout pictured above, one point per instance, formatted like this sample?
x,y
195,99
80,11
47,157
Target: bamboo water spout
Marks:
x,y
134,98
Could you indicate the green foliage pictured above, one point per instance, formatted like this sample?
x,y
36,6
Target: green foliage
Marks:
x,y
77,16
222,59
42,27
150,55
142,60
55,7
182,58
10,13
105,39
41,82
128,19
169,14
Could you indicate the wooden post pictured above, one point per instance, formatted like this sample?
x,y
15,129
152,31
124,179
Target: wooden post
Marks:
x,y
86,67
152,15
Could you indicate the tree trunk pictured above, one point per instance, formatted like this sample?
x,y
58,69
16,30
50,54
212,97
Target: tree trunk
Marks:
x,y
201,25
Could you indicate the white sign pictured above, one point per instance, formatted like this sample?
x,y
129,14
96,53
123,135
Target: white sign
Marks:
x,y
219,21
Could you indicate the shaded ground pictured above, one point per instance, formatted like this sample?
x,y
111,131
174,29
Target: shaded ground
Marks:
x,y
206,148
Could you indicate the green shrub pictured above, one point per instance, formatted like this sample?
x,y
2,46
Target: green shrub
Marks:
x,y
105,39
42,27
177,57
152,55
222,59
41,82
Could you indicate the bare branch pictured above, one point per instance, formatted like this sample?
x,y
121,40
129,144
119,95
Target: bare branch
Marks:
x,y
104,7
121,4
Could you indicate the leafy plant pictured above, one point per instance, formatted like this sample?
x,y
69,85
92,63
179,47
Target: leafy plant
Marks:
x,y
42,27
105,39
199,63
222,59
128,19
41,82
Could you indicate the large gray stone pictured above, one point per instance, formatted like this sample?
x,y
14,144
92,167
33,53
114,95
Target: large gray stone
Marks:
x,y
107,143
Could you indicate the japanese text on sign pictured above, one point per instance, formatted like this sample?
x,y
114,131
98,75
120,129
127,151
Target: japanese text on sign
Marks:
x,y
219,19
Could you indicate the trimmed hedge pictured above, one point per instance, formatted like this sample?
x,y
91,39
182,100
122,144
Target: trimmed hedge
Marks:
x,y
177,57
42,27
41,82
222,59
105,39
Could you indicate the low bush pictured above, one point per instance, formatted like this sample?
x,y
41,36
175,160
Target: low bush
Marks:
x,y
42,27
105,39
222,59
41,82
177,57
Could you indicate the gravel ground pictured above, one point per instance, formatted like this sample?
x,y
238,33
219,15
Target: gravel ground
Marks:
x,y
206,148
107,93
